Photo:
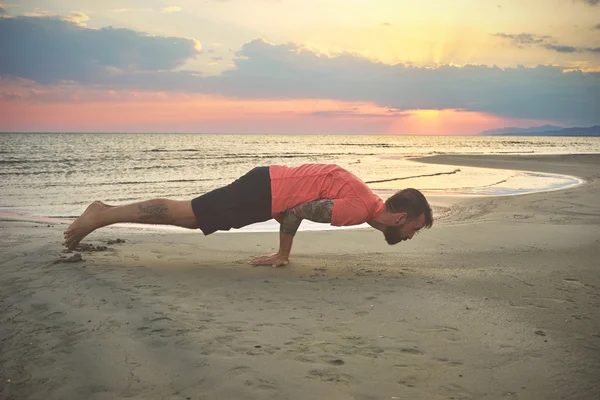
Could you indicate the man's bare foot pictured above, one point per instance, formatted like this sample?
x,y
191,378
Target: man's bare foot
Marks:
x,y
85,224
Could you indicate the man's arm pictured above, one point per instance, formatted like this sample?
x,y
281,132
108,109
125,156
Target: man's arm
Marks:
x,y
316,211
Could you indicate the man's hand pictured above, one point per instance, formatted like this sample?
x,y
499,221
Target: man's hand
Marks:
x,y
317,211
275,260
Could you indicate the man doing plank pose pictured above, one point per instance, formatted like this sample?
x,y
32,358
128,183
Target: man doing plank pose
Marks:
x,y
318,192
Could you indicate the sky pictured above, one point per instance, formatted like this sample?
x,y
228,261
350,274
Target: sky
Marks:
x,y
428,67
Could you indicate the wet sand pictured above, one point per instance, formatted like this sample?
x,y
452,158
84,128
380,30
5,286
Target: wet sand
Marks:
x,y
500,299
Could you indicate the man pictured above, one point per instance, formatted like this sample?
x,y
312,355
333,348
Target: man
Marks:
x,y
318,192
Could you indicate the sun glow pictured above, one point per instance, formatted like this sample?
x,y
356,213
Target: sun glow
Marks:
x,y
125,111
443,122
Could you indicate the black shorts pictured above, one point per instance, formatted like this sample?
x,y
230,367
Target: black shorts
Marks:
x,y
245,201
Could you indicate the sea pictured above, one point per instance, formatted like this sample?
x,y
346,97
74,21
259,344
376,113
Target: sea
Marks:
x,y
54,176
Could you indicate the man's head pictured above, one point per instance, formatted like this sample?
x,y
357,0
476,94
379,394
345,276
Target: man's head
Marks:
x,y
410,213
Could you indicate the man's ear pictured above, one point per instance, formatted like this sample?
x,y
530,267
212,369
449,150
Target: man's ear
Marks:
x,y
400,218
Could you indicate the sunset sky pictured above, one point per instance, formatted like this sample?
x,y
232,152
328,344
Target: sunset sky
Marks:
x,y
302,66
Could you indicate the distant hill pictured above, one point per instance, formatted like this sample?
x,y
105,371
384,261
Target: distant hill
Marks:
x,y
545,130
523,131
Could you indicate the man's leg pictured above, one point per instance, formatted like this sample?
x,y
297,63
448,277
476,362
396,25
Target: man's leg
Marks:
x,y
155,211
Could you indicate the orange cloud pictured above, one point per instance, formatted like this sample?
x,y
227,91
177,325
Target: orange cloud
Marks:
x,y
110,111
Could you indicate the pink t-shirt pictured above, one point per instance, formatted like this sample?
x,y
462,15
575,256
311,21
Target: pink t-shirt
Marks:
x,y
354,203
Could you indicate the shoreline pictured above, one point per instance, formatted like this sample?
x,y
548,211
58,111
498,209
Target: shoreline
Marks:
x,y
438,199
499,299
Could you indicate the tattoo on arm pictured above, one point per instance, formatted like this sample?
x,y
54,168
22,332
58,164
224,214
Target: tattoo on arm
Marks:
x,y
316,211
154,213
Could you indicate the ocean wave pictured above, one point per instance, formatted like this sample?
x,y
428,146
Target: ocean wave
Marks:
x,y
117,183
29,166
511,152
462,188
377,145
414,176
170,150
289,155
170,166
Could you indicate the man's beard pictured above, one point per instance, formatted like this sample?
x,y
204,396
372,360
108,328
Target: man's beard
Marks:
x,y
393,234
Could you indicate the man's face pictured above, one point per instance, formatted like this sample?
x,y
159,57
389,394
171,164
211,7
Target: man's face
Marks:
x,y
411,227
405,231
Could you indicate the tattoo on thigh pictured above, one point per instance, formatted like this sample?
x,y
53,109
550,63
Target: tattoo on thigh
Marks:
x,y
154,213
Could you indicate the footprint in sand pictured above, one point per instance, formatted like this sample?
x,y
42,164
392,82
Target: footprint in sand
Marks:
x,y
332,360
233,328
446,328
412,350
55,315
269,324
438,328
144,286
45,362
225,339
262,384
161,326
409,381
305,359
332,329
161,319
448,362
355,340
242,369
254,349
371,351
403,366
330,375
455,392
39,307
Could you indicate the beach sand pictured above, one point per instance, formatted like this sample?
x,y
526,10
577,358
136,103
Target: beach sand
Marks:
x,y
500,299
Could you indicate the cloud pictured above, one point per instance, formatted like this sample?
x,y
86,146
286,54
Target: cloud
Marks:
x,y
564,49
77,18
40,14
2,10
50,49
591,2
216,58
393,114
123,10
597,26
523,40
289,71
170,9
125,60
